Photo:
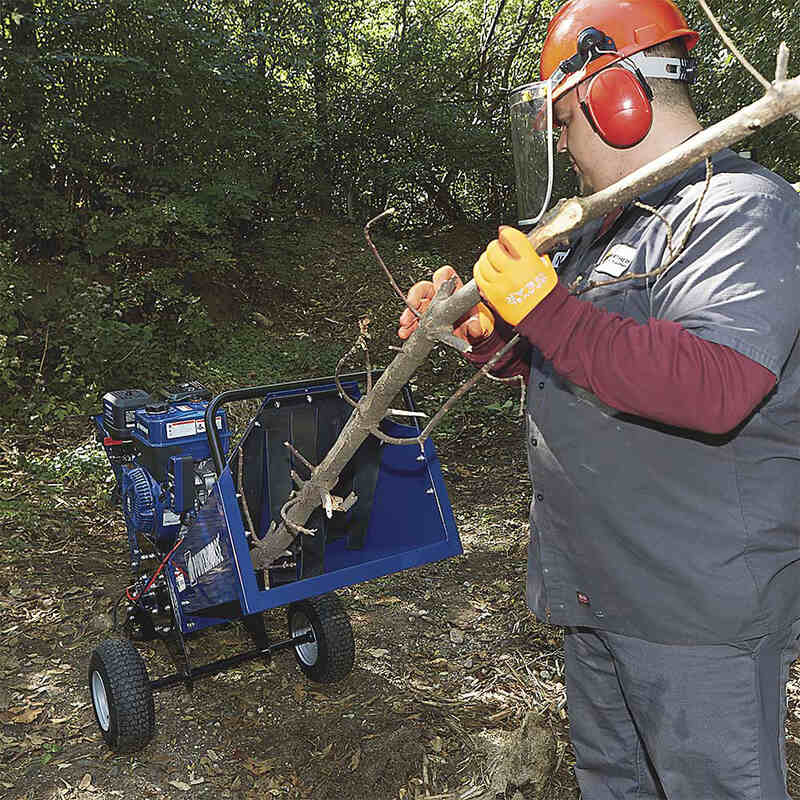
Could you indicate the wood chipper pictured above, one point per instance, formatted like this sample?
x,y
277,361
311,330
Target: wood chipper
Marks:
x,y
194,507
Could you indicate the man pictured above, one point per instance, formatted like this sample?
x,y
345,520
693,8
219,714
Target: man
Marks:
x,y
663,425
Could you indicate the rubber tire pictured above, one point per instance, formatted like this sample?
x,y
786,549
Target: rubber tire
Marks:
x,y
132,715
336,648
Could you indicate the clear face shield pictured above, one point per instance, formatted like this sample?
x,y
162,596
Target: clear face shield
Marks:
x,y
531,109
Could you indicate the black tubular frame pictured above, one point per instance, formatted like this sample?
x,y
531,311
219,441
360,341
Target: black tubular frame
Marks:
x,y
215,667
253,392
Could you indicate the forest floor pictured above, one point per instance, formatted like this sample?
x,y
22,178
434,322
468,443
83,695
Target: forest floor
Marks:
x,y
448,658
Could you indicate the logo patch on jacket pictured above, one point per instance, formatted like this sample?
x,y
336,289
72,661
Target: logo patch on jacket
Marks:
x,y
558,258
617,261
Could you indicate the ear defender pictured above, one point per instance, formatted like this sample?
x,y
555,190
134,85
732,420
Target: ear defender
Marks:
x,y
618,106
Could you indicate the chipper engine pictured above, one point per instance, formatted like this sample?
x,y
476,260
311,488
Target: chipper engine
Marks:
x,y
195,507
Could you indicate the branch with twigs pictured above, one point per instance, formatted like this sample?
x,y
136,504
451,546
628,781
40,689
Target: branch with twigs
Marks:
x,y
448,305
781,67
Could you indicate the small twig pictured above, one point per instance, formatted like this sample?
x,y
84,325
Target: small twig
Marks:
x,y
437,417
128,354
361,342
299,456
695,212
401,412
339,386
298,481
656,213
291,525
782,69
387,439
397,289
44,353
782,63
363,324
515,379
449,339
242,496
732,47
484,370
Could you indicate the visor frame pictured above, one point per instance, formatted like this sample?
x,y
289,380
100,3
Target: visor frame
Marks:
x,y
542,122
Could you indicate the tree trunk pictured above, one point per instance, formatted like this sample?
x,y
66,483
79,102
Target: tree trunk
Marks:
x,y
28,90
322,150
443,200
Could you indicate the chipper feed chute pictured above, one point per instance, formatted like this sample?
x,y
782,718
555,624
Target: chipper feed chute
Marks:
x,y
196,515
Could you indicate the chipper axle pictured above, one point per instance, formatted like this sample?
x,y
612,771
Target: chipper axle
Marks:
x,y
215,667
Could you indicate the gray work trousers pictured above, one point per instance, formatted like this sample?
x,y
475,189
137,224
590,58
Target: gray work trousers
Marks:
x,y
653,721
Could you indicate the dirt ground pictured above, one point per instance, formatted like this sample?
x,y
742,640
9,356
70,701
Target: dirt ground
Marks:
x,y
448,658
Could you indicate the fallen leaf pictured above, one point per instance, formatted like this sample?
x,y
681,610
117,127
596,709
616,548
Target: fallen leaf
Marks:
x,y
355,761
378,652
385,601
258,767
299,692
86,782
28,715
184,787
456,636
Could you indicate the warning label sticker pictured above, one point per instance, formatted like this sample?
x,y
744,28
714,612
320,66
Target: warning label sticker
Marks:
x,y
187,427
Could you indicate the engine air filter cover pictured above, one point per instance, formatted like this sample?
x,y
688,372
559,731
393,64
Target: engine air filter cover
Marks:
x,y
119,411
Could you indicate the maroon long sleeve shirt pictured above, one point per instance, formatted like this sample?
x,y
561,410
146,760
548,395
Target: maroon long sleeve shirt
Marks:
x,y
657,370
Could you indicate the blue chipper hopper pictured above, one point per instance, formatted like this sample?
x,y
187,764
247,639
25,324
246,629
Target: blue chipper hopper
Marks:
x,y
194,506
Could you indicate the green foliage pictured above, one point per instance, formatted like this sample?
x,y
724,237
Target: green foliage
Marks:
x,y
150,149
724,86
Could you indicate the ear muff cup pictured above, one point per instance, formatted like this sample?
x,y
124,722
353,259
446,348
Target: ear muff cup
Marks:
x,y
618,107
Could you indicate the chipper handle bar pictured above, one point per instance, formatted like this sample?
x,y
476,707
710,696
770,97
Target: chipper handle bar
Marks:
x,y
253,392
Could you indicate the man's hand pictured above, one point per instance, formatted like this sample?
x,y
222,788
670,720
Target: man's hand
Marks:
x,y
474,326
512,276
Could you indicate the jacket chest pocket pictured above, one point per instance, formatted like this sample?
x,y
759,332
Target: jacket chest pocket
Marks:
x,y
611,298
611,293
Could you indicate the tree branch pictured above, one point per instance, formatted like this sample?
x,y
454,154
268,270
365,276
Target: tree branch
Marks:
x,y
732,47
783,98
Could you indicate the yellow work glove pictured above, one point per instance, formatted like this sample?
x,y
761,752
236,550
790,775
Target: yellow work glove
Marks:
x,y
512,276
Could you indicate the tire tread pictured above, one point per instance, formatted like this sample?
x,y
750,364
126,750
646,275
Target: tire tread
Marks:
x,y
132,721
337,646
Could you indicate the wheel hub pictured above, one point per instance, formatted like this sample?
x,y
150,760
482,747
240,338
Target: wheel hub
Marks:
x,y
100,700
308,652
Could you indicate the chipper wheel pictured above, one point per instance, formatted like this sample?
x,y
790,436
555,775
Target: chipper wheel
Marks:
x,y
121,695
330,656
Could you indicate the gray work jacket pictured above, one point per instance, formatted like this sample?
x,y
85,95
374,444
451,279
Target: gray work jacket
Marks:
x,y
664,533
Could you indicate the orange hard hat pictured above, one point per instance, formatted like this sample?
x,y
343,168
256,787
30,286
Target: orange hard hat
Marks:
x,y
625,27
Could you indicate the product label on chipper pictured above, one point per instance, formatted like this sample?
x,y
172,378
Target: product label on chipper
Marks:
x,y
170,518
177,430
204,560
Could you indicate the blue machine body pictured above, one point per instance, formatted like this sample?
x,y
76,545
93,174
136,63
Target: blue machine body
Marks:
x,y
149,484
403,517
178,426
